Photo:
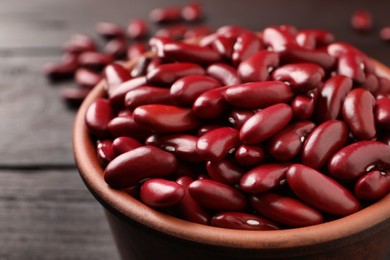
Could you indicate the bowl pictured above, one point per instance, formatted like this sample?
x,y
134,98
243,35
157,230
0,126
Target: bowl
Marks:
x,y
141,232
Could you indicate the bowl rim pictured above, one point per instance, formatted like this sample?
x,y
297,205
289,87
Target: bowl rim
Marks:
x,y
130,209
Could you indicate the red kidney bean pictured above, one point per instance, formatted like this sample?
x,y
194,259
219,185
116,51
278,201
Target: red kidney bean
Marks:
x,y
383,88
190,170
371,83
321,37
104,151
249,155
224,171
87,78
65,68
352,161
224,45
384,33
154,63
215,195
173,32
331,96
74,96
168,73
109,30
116,48
140,67
161,193
263,178
258,94
126,126
197,32
259,128
192,12
189,208
165,118
224,73
186,90
303,105
129,168
210,104
373,186
286,144
285,210
361,21
242,221
206,128
94,60
180,51
302,77
382,113
117,95
97,116
165,14
137,29
79,43
115,74
124,144
237,118
208,40
358,113
320,191
216,144
183,146
157,43
231,31
277,37
258,66
352,66
245,46
136,50
146,95
324,141
306,40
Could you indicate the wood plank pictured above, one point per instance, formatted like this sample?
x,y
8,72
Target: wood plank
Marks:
x,y
51,215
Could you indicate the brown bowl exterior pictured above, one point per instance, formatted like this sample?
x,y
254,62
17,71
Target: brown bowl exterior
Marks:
x,y
141,232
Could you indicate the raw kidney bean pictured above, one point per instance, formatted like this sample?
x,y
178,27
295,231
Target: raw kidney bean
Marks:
x,y
361,21
246,45
104,151
78,44
97,116
302,77
258,66
373,186
263,178
165,14
115,74
321,38
126,126
208,40
166,74
206,128
325,140
210,104
145,95
197,32
65,68
242,221
109,30
352,66
74,96
157,43
303,105
277,37
165,118
358,113
382,113
183,146
140,67
180,51
143,162
383,88
285,210
154,63
186,90
224,73
306,40
237,118
224,45
231,31
286,144
137,29
173,32
136,50
189,208
320,191
258,94
192,12
116,48
384,33
216,144
124,144
161,193
215,195
331,97
259,128
87,78
352,161
371,83
117,95
224,171
249,155
94,60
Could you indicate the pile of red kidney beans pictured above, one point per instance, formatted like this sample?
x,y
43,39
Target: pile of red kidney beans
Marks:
x,y
265,130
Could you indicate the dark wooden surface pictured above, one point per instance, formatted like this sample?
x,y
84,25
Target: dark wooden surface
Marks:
x,y
45,210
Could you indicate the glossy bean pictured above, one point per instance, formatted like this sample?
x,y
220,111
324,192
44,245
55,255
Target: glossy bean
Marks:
x,y
361,21
371,83
245,46
224,45
384,33
136,50
237,118
285,210
104,151
109,30
217,196
321,37
358,113
303,105
324,141
115,74
206,128
259,127
383,88
321,191
258,66
210,104
249,155
216,144
145,95
165,14
161,193
372,186
116,48
65,68
94,60
87,78
192,12
277,37
258,94
168,73
241,221
129,168
124,144
224,171
156,44
79,43
140,68
231,30
198,32
137,29
97,116
382,113
174,32
126,126
352,66
224,73
117,95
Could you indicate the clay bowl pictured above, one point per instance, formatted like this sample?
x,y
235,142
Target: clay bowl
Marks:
x,y
141,232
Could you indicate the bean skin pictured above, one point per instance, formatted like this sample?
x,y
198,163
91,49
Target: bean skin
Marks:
x,y
246,44
165,14
361,21
257,67
126,126
249,155
372,186
115,74
117,96
98,114
79,43
136,50
325,140
352,66
161,193
166,74
192,12
174,32
65,68
303,105
224,73
237,118
285,210
146,95
94,60
124,144
382,113
241,221
217,196
352,161
259,128
277,37
87,78
224,45
117,48
129,168
137,29
109,30
231,31
321,37
320,191
224,171
104,151
211,104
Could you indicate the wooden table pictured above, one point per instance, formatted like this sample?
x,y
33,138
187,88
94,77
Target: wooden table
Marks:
x,y
46,212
